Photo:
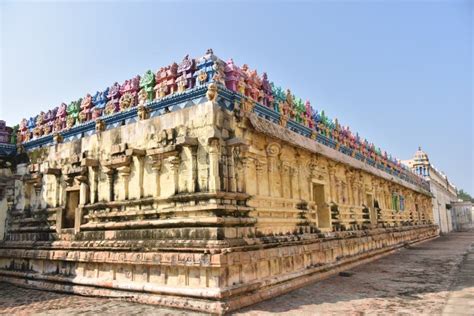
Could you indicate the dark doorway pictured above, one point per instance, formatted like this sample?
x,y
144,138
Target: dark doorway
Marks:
x,y
72,202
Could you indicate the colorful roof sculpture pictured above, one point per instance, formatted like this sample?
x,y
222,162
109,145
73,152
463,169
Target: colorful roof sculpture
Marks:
x,y
190,73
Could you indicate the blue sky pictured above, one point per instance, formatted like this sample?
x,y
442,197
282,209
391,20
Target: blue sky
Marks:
x,y
398,72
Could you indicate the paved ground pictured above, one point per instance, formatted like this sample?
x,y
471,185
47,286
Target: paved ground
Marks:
x,y
435,277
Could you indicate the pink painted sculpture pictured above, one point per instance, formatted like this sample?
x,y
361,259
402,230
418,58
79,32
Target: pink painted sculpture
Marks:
x,y
232,75
171,78
61,115
86,109
308,115
114,96
161,88
186,70
129,92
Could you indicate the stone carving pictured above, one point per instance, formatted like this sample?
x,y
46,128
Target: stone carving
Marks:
x,y
114,95
142,112
232,75
212,92
147,83
73,110
4,133
99,125
186,70
126,101
142,97
57,138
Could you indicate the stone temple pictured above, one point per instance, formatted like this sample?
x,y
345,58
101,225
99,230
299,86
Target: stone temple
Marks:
x,y
202,186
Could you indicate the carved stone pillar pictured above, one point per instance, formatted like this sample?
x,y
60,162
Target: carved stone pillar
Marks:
x,y
157,163
110,182
94,172
57,191
173,164
214,184
83,190
138,161
273,150
231,171
332,182
124,173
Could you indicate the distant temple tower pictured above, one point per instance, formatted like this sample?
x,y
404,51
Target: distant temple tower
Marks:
x,y
443,191
421,163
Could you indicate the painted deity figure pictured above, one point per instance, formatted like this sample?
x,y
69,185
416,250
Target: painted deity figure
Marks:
x,y
266,96
142,97
278,96
114,99
14,135
129,91
99,99
148,83
232,75
161,89
291,104
31,123
73,110
40,119
60,121
299,110
181,82
24,131
308,115
218,73
244,80
241,86
186,69
127,100
86,109
254,84
4,133
171,78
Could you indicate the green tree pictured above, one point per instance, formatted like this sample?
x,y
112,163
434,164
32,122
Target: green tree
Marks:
x,y
465,196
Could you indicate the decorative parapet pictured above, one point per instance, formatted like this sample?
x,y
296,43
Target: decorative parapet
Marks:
x,y
194,81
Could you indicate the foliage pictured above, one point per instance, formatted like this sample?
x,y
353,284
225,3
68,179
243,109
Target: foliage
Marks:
x,y
465,196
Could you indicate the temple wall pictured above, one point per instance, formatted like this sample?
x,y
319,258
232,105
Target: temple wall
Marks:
x,y
200,209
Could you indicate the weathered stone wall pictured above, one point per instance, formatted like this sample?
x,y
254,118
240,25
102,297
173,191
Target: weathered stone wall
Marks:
x,y
200,209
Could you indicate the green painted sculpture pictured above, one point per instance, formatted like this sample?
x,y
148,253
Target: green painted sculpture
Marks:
x,y
148,83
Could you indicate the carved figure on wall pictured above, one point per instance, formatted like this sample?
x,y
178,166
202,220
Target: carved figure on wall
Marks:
x,y
147,83
241,86
202,77
219,75
100,100
73,110
171,76
182,83
186,68
299,110
110,108
114,98
161,90
232,75
308,115
86,109
126,101
142,112
266,97
212,92
142,97
99,125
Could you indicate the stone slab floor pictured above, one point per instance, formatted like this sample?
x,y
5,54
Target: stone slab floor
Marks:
x,y
432,278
